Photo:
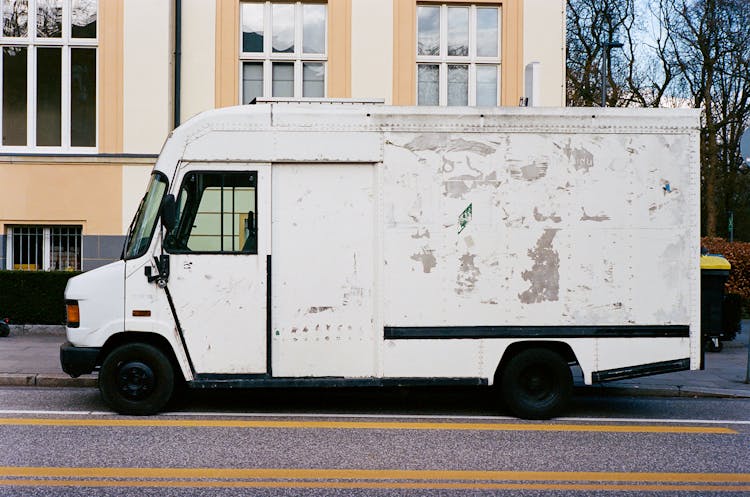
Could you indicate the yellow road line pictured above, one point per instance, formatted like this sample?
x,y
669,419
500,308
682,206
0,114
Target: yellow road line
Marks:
x,y
365,425
366,474
377,485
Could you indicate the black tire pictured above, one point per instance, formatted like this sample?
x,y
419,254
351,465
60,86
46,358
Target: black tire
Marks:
x,y
4,329
536,384
714,346
137,379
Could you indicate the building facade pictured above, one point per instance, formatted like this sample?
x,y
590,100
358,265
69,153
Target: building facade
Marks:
x,y
90,89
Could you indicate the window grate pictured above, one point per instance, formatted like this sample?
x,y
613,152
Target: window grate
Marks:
x,y
37,248
66,248
28,243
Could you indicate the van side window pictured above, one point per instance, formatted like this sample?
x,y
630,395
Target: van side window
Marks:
x,y
216,213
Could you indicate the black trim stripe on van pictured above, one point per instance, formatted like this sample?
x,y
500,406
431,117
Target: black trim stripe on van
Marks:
x,y
477,332
641,370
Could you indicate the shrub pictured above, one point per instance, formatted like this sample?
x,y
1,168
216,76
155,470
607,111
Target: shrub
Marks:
x,y
33,297
738,255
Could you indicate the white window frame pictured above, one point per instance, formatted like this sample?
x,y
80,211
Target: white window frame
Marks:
x,y
472,60
46,245
32,42
268,56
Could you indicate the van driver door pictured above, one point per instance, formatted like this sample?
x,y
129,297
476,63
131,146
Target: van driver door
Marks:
x,y
218,266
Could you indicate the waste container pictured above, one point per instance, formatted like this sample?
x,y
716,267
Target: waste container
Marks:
x,y
714,274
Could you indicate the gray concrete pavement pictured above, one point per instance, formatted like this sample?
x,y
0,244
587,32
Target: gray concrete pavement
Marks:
x,y
30,357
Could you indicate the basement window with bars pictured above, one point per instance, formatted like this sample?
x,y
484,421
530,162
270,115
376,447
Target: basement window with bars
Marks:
x,y
44,248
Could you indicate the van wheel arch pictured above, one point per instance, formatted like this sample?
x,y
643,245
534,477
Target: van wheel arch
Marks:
x,y
534,379
153,339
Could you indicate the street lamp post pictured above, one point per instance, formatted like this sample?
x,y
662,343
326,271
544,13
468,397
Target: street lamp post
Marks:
x,y
607,46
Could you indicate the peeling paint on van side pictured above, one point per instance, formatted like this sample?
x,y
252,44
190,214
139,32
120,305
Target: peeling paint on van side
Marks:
x,y
544,275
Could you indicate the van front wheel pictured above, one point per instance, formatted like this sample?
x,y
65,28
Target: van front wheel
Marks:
x,y
536,384
137,379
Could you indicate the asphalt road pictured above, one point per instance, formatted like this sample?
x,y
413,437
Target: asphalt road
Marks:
x,y
414,442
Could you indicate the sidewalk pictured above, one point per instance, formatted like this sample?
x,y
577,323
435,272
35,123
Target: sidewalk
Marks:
x,y
30,357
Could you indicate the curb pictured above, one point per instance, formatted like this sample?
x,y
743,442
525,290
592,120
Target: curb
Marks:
x,y
635,391
37,329
91,381
46,380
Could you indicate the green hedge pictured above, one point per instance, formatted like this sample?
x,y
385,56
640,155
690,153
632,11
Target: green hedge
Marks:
x,y
33,297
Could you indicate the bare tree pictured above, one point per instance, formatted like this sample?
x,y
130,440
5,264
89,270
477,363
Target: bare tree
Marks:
x,y
712,45
640,74
590,23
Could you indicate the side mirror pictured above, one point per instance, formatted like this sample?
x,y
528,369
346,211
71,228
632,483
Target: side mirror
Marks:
x,y
169,212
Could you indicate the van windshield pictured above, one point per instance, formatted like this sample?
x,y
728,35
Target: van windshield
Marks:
x,y
142,229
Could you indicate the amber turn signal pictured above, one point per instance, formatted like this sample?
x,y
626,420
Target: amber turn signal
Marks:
x,y
72,315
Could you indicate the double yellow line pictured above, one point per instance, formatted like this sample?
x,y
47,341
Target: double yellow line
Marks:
x,y
371,479
367,425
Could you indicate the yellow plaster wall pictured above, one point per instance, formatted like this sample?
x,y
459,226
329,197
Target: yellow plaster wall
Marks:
x,y
110,65
339,48
90,195
227,56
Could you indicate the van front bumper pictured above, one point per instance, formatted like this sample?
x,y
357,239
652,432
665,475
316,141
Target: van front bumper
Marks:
x,y
76,361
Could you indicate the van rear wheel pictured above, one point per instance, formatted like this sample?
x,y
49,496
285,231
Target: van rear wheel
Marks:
x,y
536,384
137,379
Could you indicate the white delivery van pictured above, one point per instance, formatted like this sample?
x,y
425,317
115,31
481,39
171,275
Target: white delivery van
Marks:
x,y
328,243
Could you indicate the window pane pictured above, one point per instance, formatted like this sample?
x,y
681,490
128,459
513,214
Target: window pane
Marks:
x,y
252,27
48,96
14,96
206,232
486,86
283,28
283,80
65,244
83,97
427,84
140,232
487,32
218,214
458,85
252,81
15,18
458,31
83,17
49,18
28,243
428,30
314,28
313,80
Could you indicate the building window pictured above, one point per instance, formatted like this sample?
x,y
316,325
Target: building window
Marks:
x,y
48,74
48,248
283,50
458,55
